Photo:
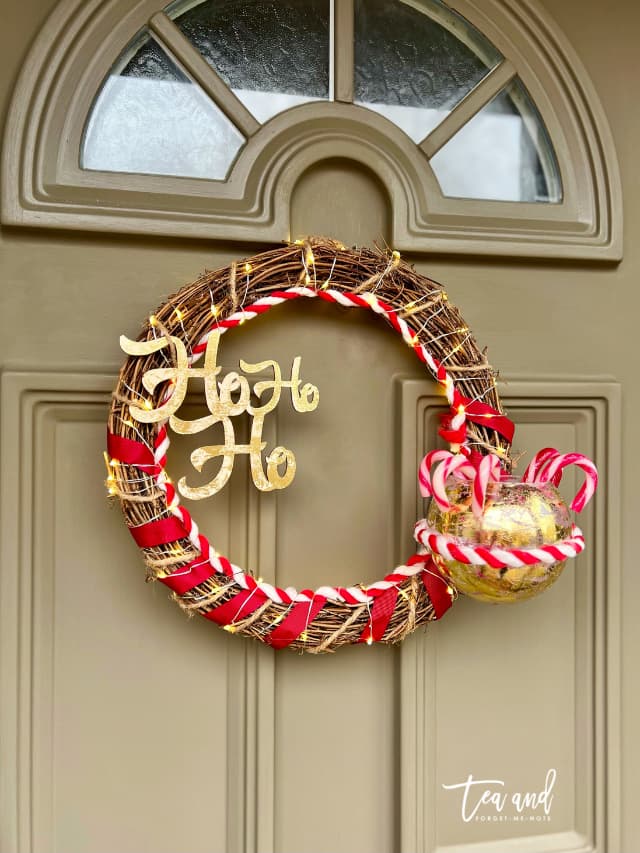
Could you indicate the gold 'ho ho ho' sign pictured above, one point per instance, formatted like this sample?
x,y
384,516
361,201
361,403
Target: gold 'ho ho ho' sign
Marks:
x,y
222,407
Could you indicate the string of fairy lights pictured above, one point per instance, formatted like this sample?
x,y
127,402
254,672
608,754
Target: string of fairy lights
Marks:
x,y
417,337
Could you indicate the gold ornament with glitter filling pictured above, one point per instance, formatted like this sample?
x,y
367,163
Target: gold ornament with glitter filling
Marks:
x,y
516,515
226,398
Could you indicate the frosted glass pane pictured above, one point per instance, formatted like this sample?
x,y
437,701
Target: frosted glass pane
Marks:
x,y
274,55
150,118
414,63
503,153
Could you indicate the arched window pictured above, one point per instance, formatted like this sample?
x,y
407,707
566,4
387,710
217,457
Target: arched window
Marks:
x,y
197,118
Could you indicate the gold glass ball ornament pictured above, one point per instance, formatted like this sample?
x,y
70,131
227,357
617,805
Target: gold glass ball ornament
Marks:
x,y
515,515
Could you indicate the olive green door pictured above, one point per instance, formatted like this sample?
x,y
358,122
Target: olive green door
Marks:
x,y
128,727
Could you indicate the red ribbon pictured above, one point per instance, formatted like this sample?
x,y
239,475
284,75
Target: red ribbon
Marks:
x,y
160,532
301,615
237,608
479,413
130,452
298,620
186,577
434,583
381,614
437,587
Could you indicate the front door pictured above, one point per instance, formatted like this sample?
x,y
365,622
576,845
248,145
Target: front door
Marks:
x,y
138,729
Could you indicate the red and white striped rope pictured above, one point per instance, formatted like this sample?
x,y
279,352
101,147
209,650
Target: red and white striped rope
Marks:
x,y
354,595
452,548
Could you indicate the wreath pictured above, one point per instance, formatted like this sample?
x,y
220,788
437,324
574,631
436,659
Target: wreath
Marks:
x,y
486,534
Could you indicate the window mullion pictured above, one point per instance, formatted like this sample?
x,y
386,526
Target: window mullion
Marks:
x,y
471,104
342,18
199,70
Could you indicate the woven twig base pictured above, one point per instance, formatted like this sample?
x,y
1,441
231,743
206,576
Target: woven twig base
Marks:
x,y
316,263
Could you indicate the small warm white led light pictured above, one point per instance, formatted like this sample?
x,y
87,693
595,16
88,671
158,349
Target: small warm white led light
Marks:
x,y
108,463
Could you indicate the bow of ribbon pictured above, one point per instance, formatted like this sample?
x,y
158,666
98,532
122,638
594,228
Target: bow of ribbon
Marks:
x,y
548,465
463,409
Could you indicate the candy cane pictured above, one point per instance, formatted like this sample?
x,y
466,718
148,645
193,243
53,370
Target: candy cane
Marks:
x,y
439,465
548,466
538,461
488,471
455,464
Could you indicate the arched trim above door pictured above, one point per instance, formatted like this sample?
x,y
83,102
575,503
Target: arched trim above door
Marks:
x,y
44,185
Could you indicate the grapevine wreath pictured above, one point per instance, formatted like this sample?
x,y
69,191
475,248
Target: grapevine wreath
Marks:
x,y
459,546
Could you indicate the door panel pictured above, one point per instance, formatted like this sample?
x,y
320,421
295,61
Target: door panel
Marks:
x,y
517,690
341,199
104,747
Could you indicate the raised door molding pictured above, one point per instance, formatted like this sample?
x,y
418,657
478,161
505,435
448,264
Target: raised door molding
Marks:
x,y
586,413
224,698
43,185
